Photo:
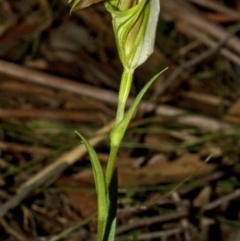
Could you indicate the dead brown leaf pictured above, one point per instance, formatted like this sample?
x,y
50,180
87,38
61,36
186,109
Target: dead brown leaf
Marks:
x,y
162,170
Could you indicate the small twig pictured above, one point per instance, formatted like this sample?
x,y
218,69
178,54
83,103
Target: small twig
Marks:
x,y
202,181
23,148
11,231
221,200
151,220
161,234
49,114
184,221
217,6
70,230
199,58
37,77
209,41
180,10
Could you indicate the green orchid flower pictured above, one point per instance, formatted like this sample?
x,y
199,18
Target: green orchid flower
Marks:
x,y
134,25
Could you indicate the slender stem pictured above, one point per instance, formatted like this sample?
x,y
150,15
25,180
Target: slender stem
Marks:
x,y
111,171
125,87
110,165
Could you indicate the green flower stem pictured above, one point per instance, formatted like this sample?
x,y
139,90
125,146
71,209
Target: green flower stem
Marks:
x,y
111,164
125,87
124,91
115,141
114,146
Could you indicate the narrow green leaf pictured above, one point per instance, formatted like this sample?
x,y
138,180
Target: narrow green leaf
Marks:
x,y
74,5
100,188
119,130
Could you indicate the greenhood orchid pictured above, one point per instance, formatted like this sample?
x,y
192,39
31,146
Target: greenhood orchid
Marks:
x,y
134,26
